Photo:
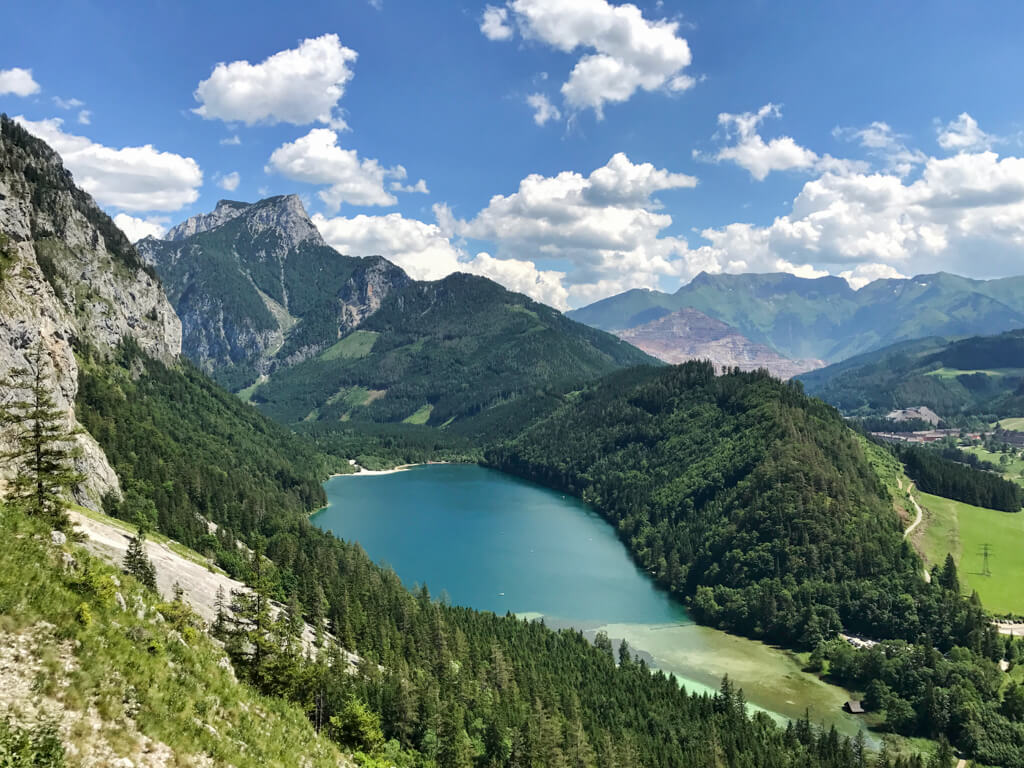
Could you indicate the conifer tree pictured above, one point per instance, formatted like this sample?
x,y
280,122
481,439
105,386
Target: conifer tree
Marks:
x,y
220,623
948,577
43,447
137,562
250,643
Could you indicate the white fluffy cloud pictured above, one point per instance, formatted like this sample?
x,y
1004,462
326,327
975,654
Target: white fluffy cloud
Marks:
x,y
543,109
523,276
300,86
84,117
17,81
229,181
604,233
136,228
316,158
420,187
622,52
494,24
426,252
131,178
963,134
863,274
865,225
419,248
605,227
756,155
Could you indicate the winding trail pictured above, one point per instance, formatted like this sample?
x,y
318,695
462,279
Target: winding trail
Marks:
x,y
917,521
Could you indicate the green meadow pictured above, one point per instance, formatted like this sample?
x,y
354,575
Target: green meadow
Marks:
x,y
356,345
964,530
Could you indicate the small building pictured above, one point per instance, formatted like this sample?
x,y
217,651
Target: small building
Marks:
x,y
853,707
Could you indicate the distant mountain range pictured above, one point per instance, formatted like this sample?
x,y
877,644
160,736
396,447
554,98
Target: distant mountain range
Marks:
x,y
824,318
691,335
310,334
980,375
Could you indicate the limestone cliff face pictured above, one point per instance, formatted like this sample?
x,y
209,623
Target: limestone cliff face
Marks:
x,y
257,288
225,211
69,277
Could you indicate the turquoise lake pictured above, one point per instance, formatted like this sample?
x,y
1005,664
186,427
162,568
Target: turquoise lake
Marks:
x,y
493,542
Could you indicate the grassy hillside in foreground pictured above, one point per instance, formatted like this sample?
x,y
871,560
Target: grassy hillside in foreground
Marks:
x,y
141,683
963,530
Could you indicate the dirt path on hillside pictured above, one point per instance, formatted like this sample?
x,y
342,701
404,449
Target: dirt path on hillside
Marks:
x,y
917,521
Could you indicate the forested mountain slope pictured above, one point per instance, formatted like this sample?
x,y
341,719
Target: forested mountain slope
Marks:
x,y
980,375
741,494
188,454
444,353
758,506
823,317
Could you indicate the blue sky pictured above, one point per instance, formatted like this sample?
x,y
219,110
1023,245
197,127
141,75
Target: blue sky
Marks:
x,y
570,149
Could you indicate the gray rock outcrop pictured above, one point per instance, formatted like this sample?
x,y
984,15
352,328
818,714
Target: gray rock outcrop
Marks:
x,y
70,280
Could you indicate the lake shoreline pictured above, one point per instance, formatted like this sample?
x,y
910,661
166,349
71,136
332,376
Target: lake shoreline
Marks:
x,y
364,472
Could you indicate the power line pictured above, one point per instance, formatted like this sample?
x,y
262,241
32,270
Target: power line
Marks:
x,y
986,552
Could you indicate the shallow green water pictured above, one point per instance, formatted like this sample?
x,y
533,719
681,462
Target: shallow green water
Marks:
x,y
496,543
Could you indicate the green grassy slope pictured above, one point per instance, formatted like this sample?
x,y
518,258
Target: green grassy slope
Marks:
x,y
963,530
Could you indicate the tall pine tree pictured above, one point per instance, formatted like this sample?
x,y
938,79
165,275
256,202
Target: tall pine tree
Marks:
x,y
43,449
137,562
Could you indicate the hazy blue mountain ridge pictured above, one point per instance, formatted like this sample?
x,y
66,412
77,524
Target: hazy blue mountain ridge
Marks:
x,y
824,317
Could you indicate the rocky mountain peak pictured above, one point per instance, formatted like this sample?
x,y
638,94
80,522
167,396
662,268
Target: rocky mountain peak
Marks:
x,y
225,211
283,215
287,215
